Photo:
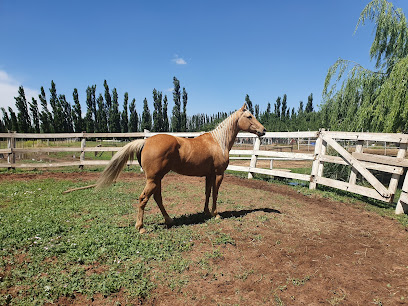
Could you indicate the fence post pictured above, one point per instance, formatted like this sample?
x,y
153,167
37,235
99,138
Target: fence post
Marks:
x,y
82,156
392,187
298,143
316,161
321,164
254,157
11,144
402,205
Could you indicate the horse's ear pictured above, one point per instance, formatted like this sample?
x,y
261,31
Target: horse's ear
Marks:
x,y
243,107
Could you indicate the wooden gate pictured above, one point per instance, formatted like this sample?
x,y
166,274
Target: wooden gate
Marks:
x,y
361,163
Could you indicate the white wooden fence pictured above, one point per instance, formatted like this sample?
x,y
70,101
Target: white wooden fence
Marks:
x,y
361,163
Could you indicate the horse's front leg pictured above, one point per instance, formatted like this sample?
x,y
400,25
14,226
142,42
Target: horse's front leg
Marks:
x,y
216,187
208,185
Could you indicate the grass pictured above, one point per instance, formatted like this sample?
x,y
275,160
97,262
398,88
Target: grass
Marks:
x,y
53,246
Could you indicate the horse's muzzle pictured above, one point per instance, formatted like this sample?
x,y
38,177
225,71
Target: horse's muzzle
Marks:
x,y
260,134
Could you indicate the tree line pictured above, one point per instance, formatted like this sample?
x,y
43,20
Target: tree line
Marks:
x,y
57,115
54,114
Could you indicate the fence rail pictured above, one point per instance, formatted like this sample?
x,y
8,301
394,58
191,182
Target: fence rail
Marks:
x,y
361,163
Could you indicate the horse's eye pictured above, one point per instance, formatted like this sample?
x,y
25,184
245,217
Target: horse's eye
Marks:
x,y
249,117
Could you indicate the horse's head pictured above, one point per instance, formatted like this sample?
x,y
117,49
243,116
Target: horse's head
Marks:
x,y
248,123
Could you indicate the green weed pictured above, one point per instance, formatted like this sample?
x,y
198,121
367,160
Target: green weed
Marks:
x,y
54,245
222,238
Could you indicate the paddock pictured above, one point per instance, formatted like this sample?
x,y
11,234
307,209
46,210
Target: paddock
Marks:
x,y
275,244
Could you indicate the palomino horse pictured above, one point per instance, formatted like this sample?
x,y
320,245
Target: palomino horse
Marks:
x,y
206,155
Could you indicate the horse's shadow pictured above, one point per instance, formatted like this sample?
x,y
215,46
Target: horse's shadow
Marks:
x,y
199,218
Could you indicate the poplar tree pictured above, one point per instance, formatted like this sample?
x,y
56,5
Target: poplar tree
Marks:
x,y
46,118
94,109
3,128
300,109
278,107
23,118
158,124
146,117
125,119
166,127
77,113
256,111
90,101
67,115
108,103
176,113
114,115
284,107
133,117
13,119
58,116
102,121
184,114
249,104
35,115
108,98
309,105
6,119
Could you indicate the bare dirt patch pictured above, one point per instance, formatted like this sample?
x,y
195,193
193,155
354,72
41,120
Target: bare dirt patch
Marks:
x,y
277,246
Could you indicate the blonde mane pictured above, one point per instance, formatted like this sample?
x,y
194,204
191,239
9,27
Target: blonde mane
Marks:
x,y
225,131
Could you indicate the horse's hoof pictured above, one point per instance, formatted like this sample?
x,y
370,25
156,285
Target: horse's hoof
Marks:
x,y
217,217
142,231
169,222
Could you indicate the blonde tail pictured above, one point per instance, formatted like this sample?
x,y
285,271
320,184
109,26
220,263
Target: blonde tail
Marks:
x,y
119,161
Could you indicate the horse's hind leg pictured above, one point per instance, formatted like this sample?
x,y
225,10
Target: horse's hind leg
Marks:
x,y
158,198
143,199
216,187
208,185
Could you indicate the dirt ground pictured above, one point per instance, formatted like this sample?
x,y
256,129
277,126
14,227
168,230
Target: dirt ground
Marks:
x,y
289,249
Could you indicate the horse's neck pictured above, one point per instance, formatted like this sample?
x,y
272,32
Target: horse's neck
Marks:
x,y
226,132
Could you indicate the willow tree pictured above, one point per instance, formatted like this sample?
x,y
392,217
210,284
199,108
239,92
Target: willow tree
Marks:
x,y
356,98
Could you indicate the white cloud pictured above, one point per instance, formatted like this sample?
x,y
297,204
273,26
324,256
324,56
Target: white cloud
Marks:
x,y
9,90
179,60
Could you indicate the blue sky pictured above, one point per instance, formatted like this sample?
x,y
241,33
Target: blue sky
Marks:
x,y
219,50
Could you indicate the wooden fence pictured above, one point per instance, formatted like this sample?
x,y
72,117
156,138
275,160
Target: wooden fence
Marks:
x,y
361,163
